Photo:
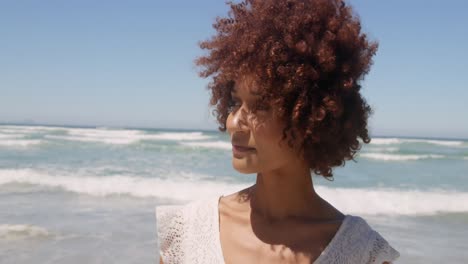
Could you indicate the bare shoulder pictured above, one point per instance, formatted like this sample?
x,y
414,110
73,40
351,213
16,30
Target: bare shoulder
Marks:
x,y
238,200
234,206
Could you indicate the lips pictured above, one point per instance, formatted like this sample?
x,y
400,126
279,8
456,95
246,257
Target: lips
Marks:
x,y
240,151
242,148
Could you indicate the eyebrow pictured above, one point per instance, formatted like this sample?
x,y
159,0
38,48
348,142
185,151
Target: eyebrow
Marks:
x,y
233,95
234,90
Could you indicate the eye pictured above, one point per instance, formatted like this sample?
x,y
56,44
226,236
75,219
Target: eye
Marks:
x,y
234,105
262,107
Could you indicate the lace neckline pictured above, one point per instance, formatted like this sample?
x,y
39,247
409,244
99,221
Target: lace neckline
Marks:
x,y
217,238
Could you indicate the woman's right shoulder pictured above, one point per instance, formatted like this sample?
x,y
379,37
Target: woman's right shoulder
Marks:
x,y
166,213
170,226
173,214
175,224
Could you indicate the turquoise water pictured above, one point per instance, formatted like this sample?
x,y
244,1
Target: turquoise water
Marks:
x,y
87,195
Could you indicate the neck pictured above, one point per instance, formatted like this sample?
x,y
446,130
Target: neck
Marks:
x,y
284,194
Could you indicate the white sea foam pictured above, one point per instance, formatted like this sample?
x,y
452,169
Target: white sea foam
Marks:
x,y
181,186
399,157
109,136
388,141
9,136
103,134
19,142
445,142
177,136
17,231
395,202
107,140
449,143
210,144
385,141
16,140
28,129
370,201
384,149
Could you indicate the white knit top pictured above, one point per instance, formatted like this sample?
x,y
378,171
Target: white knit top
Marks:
x,y
189,233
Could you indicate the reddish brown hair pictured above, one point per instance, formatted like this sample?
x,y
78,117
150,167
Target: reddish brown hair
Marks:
x,y
307,58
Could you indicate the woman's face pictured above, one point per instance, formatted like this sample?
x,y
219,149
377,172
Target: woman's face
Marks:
x,y
261,131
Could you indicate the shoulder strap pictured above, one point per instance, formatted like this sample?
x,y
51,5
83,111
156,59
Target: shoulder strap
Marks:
x,y
380,250
202,230
187,233
170,231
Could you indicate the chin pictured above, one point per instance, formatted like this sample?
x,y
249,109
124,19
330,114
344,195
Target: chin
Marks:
x,y
243,169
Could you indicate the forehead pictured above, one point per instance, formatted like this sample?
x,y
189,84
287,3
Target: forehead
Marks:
x,y
245,86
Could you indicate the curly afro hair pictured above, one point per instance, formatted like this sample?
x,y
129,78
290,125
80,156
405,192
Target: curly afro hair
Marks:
x,y
307,58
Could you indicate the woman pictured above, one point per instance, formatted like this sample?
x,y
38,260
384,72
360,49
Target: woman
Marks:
x,y
286,88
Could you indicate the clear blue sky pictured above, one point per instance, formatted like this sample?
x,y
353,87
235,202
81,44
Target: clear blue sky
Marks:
x,y
130,63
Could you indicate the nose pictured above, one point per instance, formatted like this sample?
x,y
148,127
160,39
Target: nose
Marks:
x,y
236,121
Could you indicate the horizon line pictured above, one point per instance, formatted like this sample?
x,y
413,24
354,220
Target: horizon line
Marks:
x,y
32,123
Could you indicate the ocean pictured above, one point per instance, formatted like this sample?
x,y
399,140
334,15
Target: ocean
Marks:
x,y
88,194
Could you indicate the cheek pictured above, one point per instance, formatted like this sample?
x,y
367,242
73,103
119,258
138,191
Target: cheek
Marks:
x,y
269,131
267,136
